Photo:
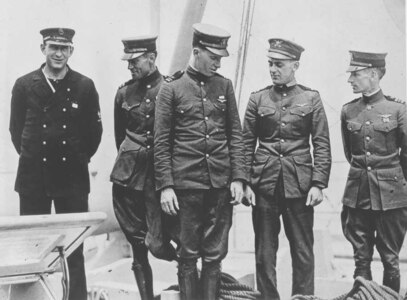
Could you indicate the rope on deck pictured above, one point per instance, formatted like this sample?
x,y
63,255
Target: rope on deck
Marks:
x,y
362,290
231,289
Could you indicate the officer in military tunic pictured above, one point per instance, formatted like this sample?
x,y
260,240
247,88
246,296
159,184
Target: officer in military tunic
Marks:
x,y
135,201
199,162
374,132
285,178
56,128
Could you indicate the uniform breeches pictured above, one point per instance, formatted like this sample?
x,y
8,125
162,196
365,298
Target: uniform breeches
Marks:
x,y
205,221
298,220
142,220
385,229
41,204
130,210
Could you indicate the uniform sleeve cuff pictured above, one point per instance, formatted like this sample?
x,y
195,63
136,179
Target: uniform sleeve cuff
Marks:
x,y
318,184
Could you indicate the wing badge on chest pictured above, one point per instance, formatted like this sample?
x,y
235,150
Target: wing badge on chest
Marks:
x,y
221,99
385,118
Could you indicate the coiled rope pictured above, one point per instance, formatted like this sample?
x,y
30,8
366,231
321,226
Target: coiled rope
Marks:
x,y
362,290
231,289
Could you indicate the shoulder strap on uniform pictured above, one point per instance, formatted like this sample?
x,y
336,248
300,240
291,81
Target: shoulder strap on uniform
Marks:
x,y
126,83
353,101
175,76
220,75
263,89
390,98
305,88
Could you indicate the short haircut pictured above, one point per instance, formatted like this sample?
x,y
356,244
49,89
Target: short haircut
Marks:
x,y
381,71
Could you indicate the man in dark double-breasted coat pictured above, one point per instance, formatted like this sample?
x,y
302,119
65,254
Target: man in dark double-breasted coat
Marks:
x,y
56,128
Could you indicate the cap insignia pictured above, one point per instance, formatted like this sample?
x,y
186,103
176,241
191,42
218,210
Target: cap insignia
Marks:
x,y
277,44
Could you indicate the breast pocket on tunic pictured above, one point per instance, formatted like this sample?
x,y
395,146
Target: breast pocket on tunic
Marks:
x,y
267,121
185,114
385,135
356,139
300,120
126,164
134,115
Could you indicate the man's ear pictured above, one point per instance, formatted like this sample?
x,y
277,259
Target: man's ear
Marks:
x,y
375,74
42,47
72,49
296,65
196,51
152,57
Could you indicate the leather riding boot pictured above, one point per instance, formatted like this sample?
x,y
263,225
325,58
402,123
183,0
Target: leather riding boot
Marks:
x,y
188,281
144,279
392,282
210,280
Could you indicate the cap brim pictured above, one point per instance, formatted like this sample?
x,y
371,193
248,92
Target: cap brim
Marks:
x,y
355,68
220,52
276,55
59,43
128,56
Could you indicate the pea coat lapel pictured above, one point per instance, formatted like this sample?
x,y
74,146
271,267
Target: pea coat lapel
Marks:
x,y
41,89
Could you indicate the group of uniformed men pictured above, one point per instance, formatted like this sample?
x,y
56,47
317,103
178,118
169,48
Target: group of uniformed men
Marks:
x,y
183,160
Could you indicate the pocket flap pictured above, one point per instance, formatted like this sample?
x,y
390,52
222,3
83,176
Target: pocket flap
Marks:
x,y
128,107
353,126
354,173
220,105
183,108
303,160
385,126
128,145
301,110
394,174
266,110
261,157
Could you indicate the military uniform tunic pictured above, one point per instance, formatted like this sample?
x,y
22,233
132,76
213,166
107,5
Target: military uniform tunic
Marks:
x,y
282,119
198,152
55,134
374,132
135,201
134,131
198,134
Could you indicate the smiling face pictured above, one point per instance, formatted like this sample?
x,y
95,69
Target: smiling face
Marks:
x,y
205,61
56,56
282,71
142,66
